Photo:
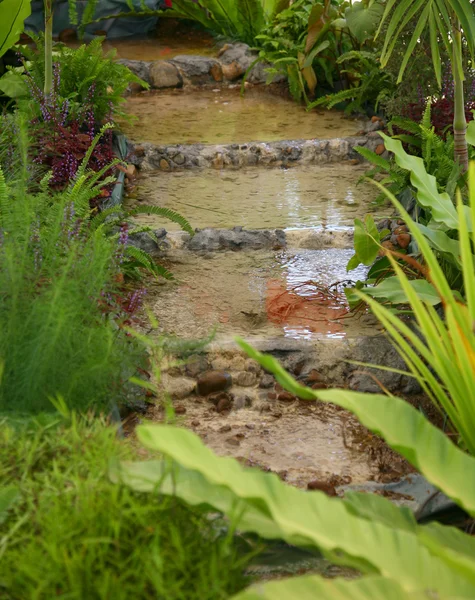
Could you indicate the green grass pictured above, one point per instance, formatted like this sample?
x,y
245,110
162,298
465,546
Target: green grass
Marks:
x,y
73,534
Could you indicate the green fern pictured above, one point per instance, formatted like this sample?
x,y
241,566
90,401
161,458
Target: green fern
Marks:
x,y
167,213
137,258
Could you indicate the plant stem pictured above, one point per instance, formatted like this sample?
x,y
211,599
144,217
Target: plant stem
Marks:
x,y
48,6
460,123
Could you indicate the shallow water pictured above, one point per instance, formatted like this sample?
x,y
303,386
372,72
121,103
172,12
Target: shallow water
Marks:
x,y
222,116
259,293
294,197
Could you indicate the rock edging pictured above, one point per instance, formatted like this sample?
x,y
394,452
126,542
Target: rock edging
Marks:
x,y
153,157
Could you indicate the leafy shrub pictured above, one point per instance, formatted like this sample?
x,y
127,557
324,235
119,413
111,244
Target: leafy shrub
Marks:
x,y
57,337
369,85
85,77
422,140
71,532
306,41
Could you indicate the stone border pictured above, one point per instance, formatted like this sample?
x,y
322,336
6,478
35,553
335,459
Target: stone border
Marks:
x,y
153,157
232,62
215,240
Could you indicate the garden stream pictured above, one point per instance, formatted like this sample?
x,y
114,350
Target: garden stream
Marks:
x,y
268,263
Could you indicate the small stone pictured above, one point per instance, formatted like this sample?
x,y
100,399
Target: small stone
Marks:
x,y
195,423
217,72
380,149
179,159
224,429
131,171
224,404
232,441
286,397
389,246
241,401
313,376
215,398
196,365
322,486
400,229
220,364
384,224
232,71
277,414
403,240
266,381
213,381
394,225
180,409
282,475
252,366
375,119
178,387
246,379
278,388
272,396
164,75
164,165
237,363
250,426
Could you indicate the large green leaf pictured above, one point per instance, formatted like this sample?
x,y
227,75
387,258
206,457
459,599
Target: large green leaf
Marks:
x,y
307,519
12,17
440,204
403,427
363,19
390,289
441,242
312,587
366,240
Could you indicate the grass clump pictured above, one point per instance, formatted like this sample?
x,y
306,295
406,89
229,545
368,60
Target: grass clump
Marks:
x,y
72,533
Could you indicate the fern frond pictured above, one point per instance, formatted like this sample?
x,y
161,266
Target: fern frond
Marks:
x,y
167,213
145,261
373,158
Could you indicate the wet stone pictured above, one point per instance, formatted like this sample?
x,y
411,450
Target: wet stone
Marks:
x,y
241,401
165,75
213,381
225,429
180,409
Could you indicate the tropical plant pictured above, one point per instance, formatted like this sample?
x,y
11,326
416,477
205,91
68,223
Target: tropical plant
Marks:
x,y
236,19
12,16
436,218
449,22
421,139
307,40
399,558
370,86
65,529
85,78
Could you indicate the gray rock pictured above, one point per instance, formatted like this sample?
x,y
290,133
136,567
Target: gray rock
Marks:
x,y
211,239
165,75
145,242
178,387
141,68
235,60
379,351
245,379
259,74
197,69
